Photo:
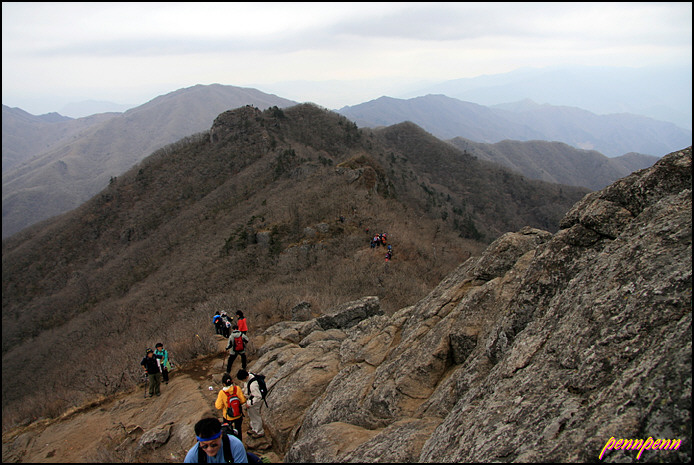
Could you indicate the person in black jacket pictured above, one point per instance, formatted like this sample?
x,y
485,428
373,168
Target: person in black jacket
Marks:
x,y
152,366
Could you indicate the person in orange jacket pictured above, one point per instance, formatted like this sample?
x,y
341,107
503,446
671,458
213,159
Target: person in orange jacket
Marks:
x,y
230,393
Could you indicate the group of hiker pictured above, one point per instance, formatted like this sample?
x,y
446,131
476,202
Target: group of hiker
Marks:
x,y
157,366
379,240
253,390
222,441
222,323
382,240
219,441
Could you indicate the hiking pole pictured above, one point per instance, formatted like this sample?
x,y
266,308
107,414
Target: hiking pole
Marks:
x,y
146,383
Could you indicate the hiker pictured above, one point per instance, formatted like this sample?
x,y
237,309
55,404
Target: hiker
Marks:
x,y
253,404
226,324
389,255
218,323
230,401
241,322
165,365
151,364
215,445
383,239
237,344
377,240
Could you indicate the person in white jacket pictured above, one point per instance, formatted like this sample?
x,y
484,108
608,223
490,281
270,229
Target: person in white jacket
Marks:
x,y
254,400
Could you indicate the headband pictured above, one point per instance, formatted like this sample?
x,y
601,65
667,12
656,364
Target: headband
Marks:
x,y
210,438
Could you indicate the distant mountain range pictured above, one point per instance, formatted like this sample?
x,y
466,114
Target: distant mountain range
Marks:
x,y
92,107
660,92
25,135
446,118
66,162
557,162
52,163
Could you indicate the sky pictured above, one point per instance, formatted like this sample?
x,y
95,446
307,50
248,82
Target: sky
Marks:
x,y
332,54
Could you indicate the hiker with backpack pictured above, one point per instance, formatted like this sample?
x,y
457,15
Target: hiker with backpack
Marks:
x,y
230,401
164,364
226,324
213,446
237,344
152,365
218,323
255,390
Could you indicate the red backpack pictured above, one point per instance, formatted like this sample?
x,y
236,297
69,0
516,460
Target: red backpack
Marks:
x,y
233,404
238,344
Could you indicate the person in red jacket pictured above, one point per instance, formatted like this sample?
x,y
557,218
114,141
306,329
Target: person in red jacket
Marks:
x,y
241,322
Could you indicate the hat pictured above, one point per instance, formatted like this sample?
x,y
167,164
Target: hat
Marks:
x,y
149,350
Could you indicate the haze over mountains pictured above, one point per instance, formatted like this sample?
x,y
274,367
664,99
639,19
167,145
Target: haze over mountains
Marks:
x,y
92,107
600,90
67,161
446,118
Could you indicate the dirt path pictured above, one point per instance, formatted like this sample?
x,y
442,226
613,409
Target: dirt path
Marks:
x,y
115,430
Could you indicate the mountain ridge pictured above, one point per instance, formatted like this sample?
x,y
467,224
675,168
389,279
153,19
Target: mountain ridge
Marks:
x,y
557,162
74,163
69,174
663,93
447,117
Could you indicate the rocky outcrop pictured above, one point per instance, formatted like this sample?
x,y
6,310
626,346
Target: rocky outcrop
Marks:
x,y
542,349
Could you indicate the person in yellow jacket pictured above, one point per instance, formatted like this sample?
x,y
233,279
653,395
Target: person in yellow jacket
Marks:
x,y
229,392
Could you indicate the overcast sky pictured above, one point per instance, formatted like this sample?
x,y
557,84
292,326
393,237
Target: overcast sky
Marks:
x,y
129,53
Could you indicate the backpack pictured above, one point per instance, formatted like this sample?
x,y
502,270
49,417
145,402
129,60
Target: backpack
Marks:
x,y
238,344
262,387
233,404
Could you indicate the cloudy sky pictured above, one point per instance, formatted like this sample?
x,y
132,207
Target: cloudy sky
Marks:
x,y
333,54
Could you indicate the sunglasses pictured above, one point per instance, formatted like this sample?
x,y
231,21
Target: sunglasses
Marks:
x,y
213,445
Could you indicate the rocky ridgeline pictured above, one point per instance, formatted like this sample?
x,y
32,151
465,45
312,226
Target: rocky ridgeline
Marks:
x,y
542,349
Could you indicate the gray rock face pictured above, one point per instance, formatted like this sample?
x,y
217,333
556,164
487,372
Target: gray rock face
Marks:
x,y
348,315
542,349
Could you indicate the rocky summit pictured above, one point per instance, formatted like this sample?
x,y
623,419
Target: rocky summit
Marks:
x,y
565,347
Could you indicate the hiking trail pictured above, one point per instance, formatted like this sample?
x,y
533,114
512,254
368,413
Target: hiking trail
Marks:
x,y
130,428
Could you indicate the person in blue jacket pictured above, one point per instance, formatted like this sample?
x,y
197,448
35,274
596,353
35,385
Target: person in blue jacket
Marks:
x,y
208,432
